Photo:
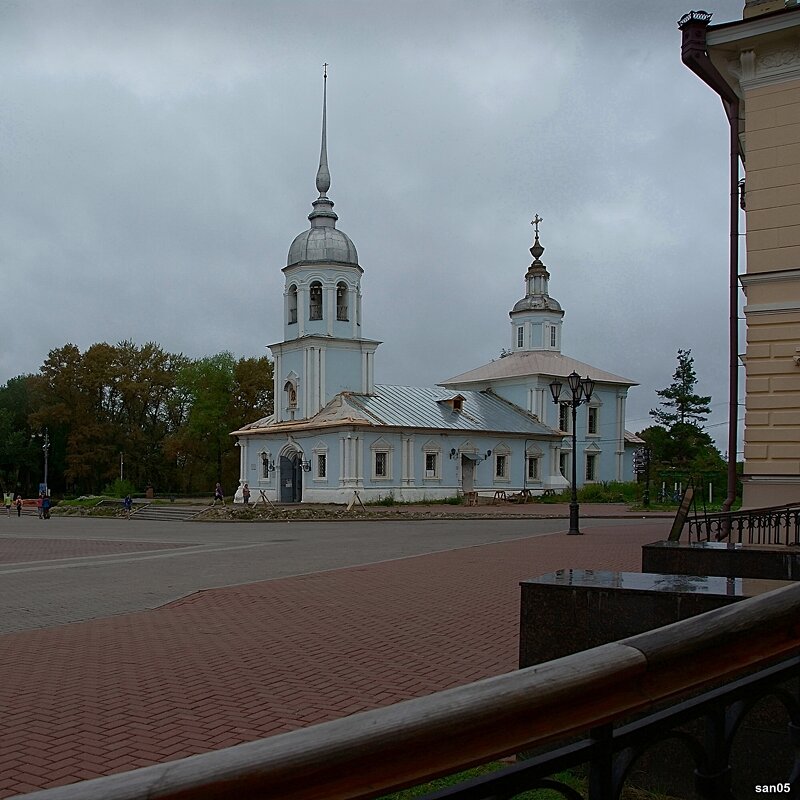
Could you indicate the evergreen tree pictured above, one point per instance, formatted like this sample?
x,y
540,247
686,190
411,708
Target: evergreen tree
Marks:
x,y
679,403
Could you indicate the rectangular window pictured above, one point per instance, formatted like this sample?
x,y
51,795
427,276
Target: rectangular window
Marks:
x,y
264,466
553,336
520,336
591,466
431,465
592,423
533,468
322,465
563,464
563,417
381,465
500,466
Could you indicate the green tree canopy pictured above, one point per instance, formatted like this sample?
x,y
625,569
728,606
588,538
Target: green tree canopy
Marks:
x,y
679,402
167,417
678,444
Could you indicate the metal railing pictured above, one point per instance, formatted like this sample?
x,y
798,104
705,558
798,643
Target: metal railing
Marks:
x,y
368,754
774,525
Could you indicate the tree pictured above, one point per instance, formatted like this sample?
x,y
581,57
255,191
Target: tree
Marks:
x,y
678,443
170,417
680,404
222,394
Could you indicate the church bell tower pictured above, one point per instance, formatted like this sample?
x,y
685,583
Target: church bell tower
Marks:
x,y
323,352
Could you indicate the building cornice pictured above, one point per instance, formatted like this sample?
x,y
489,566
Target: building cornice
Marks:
x,y
754,278
789,307
739,30
766,66
319,340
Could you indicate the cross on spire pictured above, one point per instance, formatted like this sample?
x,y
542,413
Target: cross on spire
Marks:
x,y
535,222
325,70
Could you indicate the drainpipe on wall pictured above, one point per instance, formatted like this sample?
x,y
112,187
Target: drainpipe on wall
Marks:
x,y
694,54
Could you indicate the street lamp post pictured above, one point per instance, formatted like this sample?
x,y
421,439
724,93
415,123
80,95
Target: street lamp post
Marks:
x,y
580,392
46,448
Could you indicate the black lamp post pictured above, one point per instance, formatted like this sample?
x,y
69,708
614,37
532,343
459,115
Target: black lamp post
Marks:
x,y
580,392
46,448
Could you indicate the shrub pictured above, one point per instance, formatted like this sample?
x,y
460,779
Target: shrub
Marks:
x,y
120,488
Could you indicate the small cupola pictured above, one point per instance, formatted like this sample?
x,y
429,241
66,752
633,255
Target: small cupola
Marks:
x,y
536,318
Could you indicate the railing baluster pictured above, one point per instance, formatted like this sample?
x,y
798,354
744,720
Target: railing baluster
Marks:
x,y
602,764
765,526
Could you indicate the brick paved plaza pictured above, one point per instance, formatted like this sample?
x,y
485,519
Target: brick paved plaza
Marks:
x,y
309,622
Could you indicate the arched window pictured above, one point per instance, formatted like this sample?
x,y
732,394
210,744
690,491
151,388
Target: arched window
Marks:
x,y
291,394
292,304
341,301
315,300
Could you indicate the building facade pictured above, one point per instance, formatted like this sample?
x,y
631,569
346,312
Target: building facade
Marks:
x,y
758,57
524,373
334,432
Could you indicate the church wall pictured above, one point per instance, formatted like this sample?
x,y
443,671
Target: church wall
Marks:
x,y
408,465
292,369
607,444
344,370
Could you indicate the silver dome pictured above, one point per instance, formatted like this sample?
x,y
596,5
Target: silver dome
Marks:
x,y
322,244
537,302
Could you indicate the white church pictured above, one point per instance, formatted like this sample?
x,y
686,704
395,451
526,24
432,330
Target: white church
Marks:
x,y
496,428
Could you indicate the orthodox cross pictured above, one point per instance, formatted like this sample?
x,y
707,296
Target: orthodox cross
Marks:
x,y
325,68
535,222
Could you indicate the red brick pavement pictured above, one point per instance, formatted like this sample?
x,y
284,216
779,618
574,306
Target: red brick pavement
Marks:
x,y
16,550
231,665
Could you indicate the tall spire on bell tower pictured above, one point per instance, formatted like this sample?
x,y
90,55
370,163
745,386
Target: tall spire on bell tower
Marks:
x,y
323,174
323,214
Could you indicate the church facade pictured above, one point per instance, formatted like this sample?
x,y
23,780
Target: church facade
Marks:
x,y
496,428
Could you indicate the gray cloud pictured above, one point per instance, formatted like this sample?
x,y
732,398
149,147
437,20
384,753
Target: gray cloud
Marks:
x,y
157,159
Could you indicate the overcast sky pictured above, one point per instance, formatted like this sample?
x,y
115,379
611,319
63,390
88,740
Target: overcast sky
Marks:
x,y
157,158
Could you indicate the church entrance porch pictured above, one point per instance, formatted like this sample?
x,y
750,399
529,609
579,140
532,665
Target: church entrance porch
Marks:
x,y
291,479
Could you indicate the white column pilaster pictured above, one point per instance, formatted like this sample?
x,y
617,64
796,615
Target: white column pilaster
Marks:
x,y
330,311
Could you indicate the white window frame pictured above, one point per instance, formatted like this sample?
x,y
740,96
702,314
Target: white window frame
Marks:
x,y
536,462
315,308
593,411
378,456
520,336
591,459
553,336
564,464
264,460
501,456
291,317
565,412
381,447
436,454
320,451
342,302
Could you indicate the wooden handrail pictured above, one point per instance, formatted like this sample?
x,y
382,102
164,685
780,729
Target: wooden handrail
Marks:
x,y
368,754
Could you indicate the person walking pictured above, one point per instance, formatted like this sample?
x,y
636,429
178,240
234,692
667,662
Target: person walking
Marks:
x,y
39,504
8,504
246,494
128,505
46,507
218,495
19,505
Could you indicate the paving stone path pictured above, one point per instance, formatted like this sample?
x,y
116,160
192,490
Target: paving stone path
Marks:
x,y
230,665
